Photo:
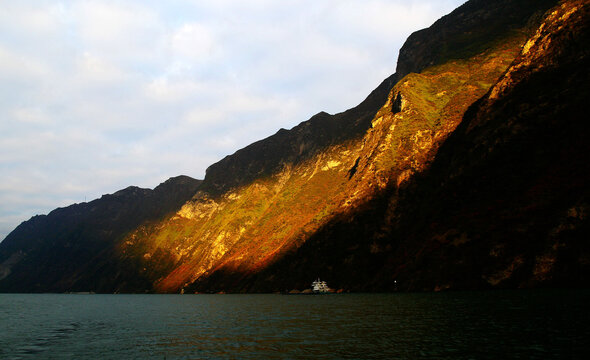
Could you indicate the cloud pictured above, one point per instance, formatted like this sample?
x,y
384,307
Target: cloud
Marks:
x,y
99,95
123,30
194,42
164,89
30,115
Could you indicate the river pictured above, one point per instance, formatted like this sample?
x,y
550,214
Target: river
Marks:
x,y
526,324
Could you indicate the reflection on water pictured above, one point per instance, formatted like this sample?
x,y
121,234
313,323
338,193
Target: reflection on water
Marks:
x,y
456,325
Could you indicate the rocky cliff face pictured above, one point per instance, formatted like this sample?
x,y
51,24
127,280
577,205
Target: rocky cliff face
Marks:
x,y
468,31
465,169
293,147
286,196
504,201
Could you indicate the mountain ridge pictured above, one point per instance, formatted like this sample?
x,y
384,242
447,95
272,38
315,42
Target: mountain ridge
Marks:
x,y
390,195
301,142
80,231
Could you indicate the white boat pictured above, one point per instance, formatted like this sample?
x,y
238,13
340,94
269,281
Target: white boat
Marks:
x,y
320,287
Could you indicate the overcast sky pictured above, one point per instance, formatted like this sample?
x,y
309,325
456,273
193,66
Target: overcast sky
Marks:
x,y
99,95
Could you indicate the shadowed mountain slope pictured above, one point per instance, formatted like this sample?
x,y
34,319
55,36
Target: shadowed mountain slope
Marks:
x,y
505,201
468,31
222,242
52,252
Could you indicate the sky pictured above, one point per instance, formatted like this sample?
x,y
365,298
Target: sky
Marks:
x,y
97,95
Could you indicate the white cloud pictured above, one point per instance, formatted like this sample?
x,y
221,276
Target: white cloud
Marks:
x,y
31,115
204,116
194,42
171,90
20,67
98,95
122,29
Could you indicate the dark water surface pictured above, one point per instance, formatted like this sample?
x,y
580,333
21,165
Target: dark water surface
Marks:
x,y
523,324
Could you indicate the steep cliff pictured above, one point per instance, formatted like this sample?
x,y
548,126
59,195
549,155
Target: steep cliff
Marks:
x,y
267,201
504,203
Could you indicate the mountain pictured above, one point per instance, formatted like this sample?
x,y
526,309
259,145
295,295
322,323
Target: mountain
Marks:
x,y
506,200
56,252
464,169
504,203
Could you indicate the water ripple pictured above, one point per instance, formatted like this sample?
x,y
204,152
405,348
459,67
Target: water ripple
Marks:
x,y
465,325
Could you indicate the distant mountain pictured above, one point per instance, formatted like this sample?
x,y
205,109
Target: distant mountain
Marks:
x,y
57,252
465,169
